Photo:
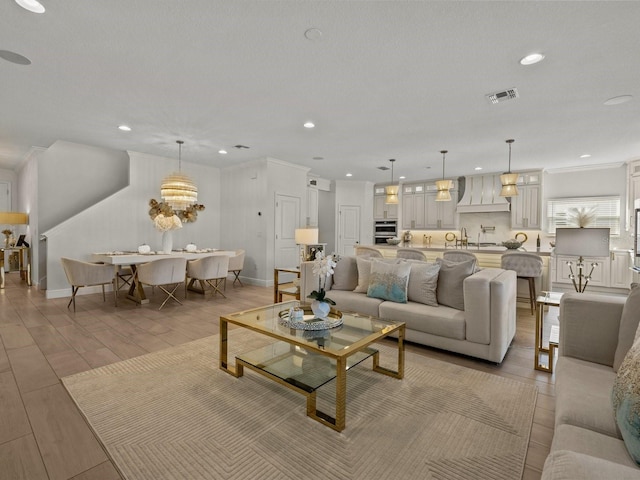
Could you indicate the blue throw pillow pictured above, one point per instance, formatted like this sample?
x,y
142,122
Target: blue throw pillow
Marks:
x,y
626,400
389,281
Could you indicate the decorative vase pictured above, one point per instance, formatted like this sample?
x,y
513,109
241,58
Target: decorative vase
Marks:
x,y
320,309
167,241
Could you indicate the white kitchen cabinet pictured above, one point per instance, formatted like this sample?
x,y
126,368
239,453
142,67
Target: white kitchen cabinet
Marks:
x,y
413,206
440,215
312,206
621,275
381,210
633,200
600,276
526,207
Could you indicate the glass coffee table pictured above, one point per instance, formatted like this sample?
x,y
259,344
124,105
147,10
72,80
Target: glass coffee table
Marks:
x,y
305,360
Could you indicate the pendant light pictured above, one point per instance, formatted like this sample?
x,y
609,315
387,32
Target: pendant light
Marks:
x,y
443,185
509,180
391,190
178,190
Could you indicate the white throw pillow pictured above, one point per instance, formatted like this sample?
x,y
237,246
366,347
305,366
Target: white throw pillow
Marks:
x,y
423,283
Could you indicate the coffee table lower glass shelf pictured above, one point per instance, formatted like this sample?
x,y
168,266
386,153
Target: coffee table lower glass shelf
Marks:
x,y
297,367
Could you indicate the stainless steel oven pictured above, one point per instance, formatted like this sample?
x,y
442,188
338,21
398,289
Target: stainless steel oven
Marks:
x,y
384,229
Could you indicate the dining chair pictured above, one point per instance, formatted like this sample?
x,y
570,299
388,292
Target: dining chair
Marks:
x,y
211,270
164,272
236,264
87,274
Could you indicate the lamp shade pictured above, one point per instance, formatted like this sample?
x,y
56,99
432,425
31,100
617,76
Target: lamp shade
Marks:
x,y
443,194
392,195
306,236
14,218
582,242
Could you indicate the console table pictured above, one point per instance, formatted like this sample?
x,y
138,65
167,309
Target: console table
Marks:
x,y
16,259
289,290
543,301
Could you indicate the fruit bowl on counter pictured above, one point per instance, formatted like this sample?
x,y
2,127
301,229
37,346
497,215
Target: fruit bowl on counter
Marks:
x,y
393,241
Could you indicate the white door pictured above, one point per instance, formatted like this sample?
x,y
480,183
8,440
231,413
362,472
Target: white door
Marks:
x,y
287,219
348,229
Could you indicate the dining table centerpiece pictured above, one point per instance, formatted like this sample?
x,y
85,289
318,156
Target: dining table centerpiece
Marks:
x,y
322,267
166,221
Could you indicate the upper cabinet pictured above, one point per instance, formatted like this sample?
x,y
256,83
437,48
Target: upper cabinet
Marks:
x,y
383,210
634,192
441,215
413,206
312,206
526,207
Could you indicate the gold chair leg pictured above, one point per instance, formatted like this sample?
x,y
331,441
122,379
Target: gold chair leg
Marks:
x,y
170,294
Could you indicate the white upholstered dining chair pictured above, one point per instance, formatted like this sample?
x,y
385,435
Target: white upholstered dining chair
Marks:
x,y
87,274
236,264
164,273
211,270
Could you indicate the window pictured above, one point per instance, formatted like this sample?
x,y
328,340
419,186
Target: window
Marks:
x,y
607,211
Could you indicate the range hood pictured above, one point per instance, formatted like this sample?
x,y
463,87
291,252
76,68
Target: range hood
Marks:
x,y
482,194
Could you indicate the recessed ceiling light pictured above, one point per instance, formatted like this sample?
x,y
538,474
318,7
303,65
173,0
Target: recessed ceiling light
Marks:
x,y
14,57
531,59
309,125
478,168
313,34
349,175
401,177
125,128
222,152
618,100
31,5
586,155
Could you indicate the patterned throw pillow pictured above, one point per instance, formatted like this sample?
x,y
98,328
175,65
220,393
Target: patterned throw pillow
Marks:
x,y
389,281
626,400
423,283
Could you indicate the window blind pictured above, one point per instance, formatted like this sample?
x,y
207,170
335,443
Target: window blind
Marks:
x,y
607,210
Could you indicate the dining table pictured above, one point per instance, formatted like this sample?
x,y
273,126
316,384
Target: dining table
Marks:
x,y
133,259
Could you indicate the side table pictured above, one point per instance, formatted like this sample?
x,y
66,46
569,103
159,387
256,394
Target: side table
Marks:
x,y
548,299
277,291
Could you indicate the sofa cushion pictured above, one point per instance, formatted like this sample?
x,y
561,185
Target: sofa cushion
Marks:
x,y
450,280
567,465
356,302
583,395
345,274
423,283
626,400
588,442
628,325
389,281
364,272
442,321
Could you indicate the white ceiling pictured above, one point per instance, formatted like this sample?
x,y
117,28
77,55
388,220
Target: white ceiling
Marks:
x,y
386,79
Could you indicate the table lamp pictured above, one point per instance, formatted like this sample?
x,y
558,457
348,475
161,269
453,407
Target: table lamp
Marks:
x,y
305,236
582,242
13,218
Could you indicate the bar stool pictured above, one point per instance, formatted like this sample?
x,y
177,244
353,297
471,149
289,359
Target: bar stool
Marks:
x,y
459,256
411,254
527,266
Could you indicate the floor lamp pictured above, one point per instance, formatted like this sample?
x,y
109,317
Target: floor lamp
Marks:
x,y
304,237
582,242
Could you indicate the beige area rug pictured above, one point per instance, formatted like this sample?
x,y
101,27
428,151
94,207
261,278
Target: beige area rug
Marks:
x,y
174,414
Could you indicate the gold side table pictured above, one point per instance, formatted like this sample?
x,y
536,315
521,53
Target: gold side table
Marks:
x,y
547,299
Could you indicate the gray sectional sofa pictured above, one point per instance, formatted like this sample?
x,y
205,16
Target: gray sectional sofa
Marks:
x,y
595,336
483,329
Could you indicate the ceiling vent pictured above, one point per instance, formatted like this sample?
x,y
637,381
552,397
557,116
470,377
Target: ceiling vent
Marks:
x,y
503,96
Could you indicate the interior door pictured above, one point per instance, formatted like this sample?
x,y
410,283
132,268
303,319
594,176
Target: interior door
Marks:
x,y
287,219
348,229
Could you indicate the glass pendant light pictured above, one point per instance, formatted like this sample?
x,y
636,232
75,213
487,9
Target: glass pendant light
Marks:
x,y
391,190
443,185
509,180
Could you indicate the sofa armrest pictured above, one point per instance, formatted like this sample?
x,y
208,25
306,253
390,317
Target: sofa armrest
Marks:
x,y
589,326
490,309
309,281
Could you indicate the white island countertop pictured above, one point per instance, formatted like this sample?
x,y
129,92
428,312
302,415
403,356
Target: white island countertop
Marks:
x,y
542,251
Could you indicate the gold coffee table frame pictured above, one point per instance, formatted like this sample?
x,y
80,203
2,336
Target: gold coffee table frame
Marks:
x,y
348,351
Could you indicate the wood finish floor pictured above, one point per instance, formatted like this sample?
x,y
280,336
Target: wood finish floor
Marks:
x,y
44,436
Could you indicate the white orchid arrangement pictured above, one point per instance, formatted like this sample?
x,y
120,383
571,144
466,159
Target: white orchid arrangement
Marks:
x,y
164,224
323,267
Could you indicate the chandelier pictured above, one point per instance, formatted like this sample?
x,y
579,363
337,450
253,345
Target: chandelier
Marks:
x,y
391,190
178,190
443,185
509,180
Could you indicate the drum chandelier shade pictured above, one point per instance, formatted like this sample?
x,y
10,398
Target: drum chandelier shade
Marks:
x,y
443,186
178,190
509,180
391,190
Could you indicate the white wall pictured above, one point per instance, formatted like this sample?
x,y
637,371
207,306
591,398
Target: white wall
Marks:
x,y
121,221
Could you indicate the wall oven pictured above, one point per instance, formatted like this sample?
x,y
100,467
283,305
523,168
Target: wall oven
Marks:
x,y
384,229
